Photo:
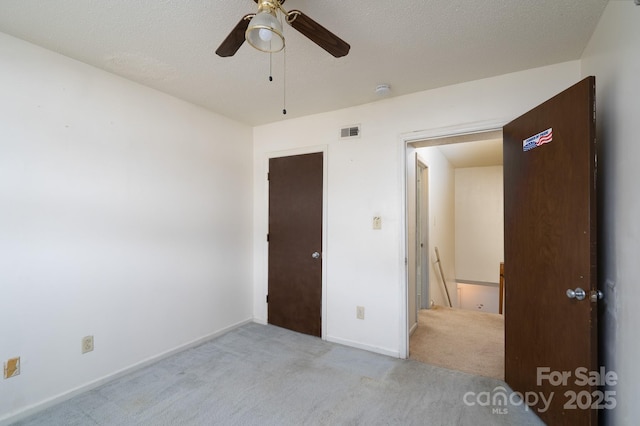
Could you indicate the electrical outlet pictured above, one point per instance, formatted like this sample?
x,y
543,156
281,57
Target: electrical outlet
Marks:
x,y
12,367
87,344
360,312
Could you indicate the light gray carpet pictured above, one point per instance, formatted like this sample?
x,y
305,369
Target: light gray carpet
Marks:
x,y
264,375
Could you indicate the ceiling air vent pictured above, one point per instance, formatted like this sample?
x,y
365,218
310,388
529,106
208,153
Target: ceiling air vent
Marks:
x,y
350,132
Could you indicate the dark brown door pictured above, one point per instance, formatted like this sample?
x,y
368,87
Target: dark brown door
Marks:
x,y
550,247
295,243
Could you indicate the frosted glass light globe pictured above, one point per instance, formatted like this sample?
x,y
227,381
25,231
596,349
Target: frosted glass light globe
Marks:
x,y
265,34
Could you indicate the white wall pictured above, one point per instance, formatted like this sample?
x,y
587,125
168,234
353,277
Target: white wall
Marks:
x,y
366,178
476,297
124,214
441,225
613,56
479,223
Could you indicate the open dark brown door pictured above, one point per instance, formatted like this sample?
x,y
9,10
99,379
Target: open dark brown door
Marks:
x,y
295,243
550,247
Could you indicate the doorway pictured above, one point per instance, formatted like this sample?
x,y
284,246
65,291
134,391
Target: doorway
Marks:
x,y
422,234
470,164
418,296
550,253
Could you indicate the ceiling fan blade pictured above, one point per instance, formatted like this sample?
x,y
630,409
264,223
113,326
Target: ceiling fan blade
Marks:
x,y
318,34
234,40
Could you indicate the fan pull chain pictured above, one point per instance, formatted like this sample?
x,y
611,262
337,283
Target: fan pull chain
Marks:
x,y
284,82
270,67
284,70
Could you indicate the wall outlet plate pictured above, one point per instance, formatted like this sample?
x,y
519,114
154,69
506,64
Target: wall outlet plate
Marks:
x,y
12,367
87,344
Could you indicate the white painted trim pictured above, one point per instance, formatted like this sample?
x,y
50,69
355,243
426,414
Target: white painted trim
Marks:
x,y
483,283
406,139
324,149
50,402
403,340
363,346
414,327
450,131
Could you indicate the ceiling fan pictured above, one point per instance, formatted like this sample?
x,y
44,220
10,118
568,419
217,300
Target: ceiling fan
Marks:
x,y
263,31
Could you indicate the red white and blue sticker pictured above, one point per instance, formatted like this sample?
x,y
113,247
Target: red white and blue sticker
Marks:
x,y
537,140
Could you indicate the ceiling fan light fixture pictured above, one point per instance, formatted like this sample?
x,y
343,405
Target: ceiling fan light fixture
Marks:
x,y
265,32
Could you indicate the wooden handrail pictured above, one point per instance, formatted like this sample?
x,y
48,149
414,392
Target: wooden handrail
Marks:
x,y
444,282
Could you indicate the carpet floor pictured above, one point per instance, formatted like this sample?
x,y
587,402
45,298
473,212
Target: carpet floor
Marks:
x,y
462,340
265,375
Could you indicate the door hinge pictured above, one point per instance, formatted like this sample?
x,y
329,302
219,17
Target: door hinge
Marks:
x,y
267,237
267,298
596,295
268,177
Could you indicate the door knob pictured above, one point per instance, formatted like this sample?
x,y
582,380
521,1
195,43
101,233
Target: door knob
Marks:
x,y
315,255
578,294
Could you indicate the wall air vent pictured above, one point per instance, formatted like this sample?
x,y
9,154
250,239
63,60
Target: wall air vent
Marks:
x,y
350,132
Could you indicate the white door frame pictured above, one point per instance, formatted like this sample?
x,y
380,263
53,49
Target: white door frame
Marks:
x,y
422,232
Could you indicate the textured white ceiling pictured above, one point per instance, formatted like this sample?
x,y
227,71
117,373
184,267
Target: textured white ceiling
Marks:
x,y
412,45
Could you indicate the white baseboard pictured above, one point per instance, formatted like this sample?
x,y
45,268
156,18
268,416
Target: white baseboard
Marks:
x,y
32,409
414,327
370,348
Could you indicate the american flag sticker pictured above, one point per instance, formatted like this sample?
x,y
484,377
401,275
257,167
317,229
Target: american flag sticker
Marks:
x,y
537,140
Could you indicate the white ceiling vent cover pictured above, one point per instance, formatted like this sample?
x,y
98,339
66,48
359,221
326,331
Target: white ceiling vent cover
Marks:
x,y
350,132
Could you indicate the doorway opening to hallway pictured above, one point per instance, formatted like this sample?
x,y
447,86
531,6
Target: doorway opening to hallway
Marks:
x,y
455,242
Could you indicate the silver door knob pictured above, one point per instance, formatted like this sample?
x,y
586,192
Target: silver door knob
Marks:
x,y
315,255
578,294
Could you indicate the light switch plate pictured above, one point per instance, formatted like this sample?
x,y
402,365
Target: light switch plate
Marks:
x,y
377,222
